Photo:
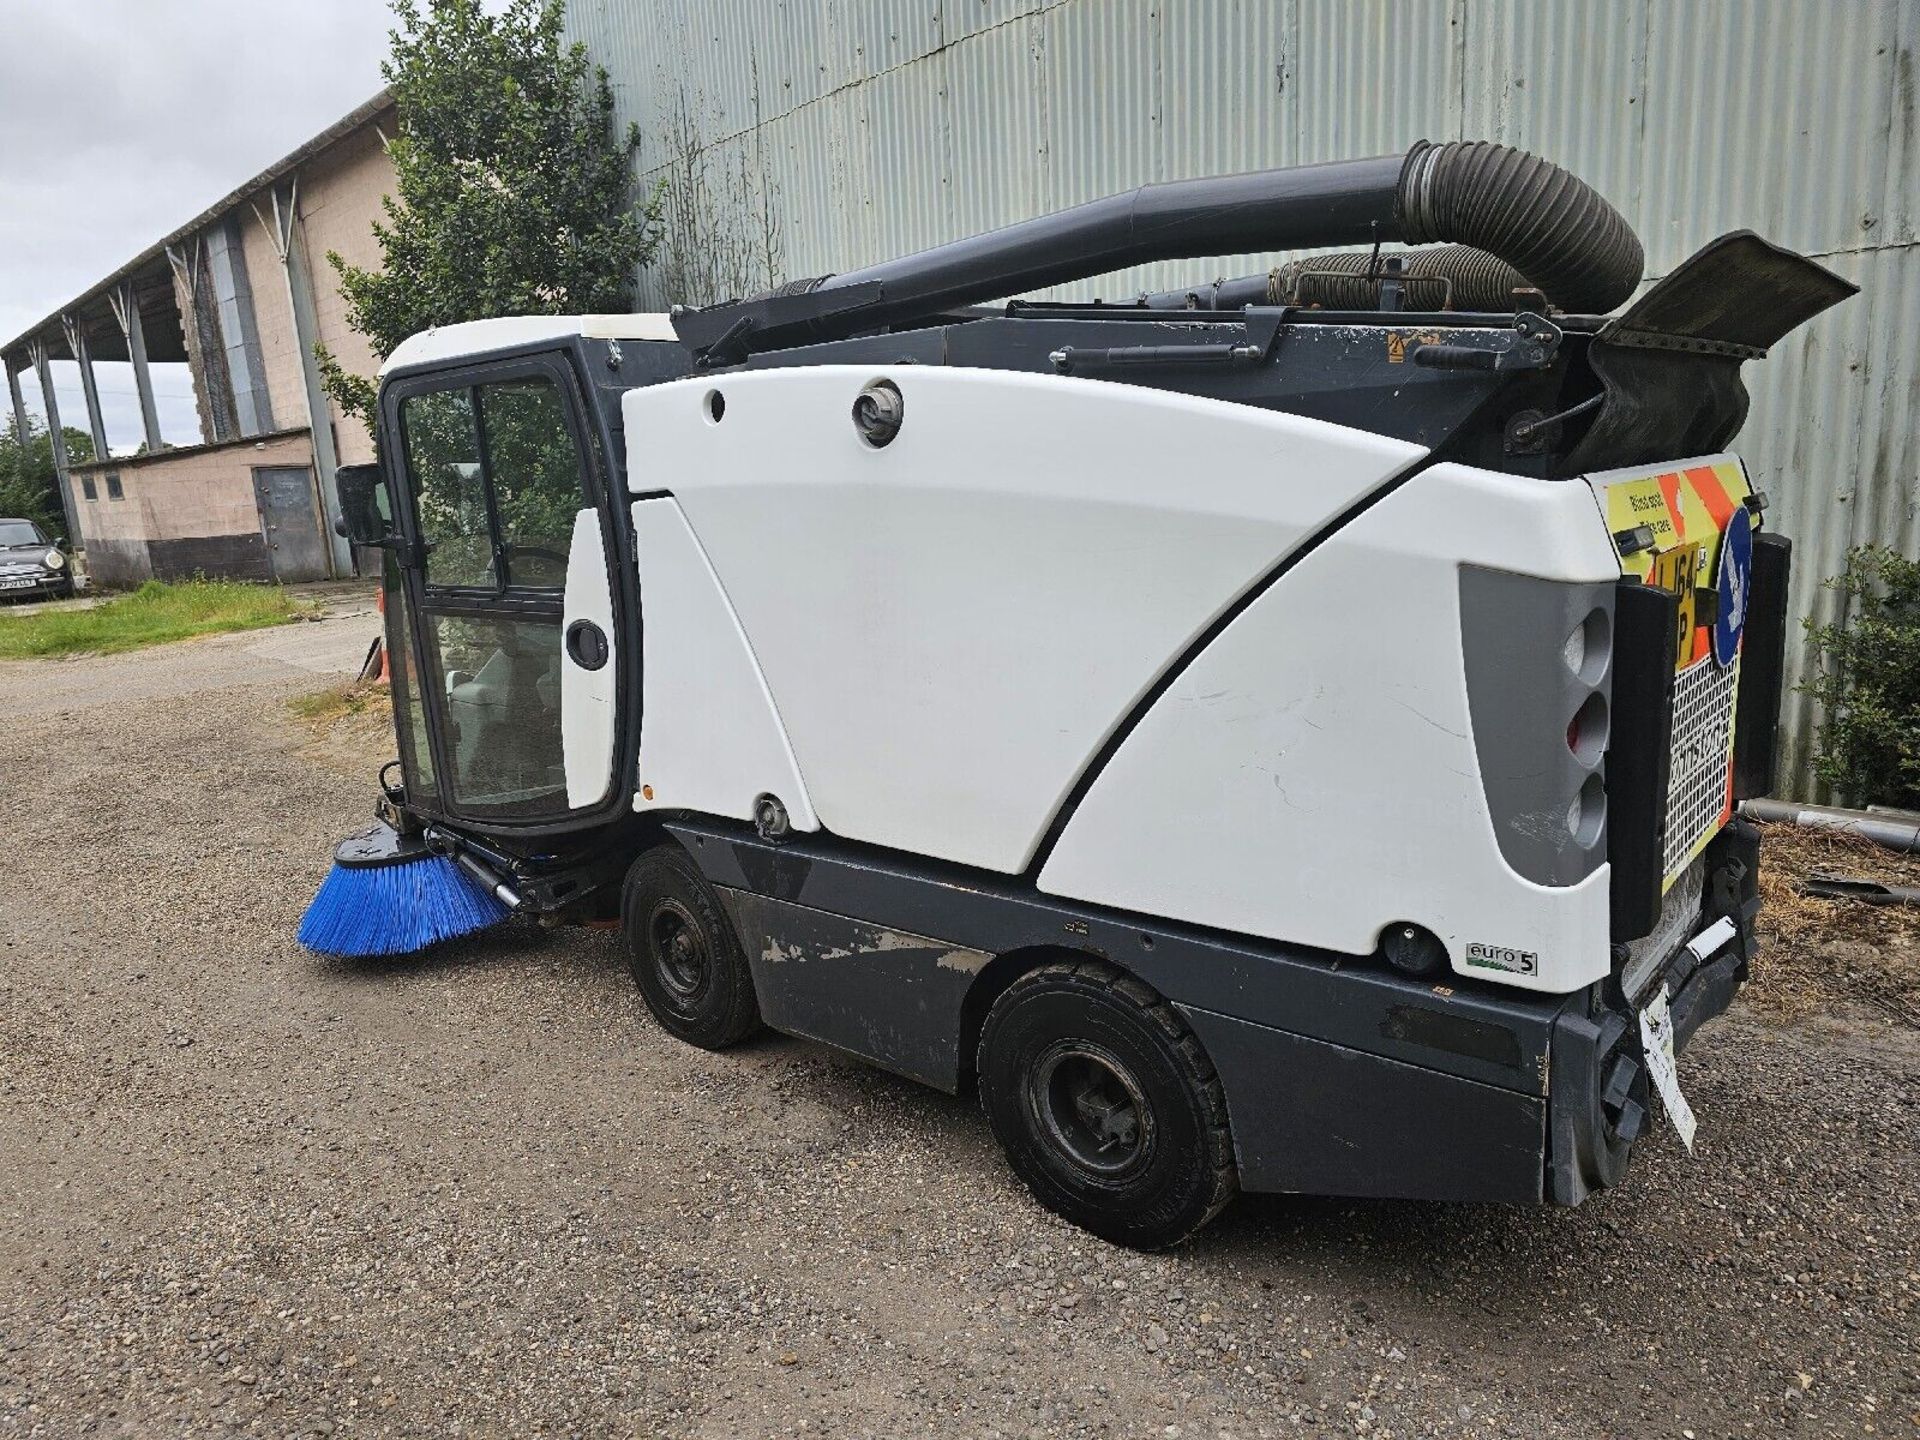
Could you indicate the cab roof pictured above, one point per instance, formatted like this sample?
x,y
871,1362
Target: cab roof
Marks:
x,y
446,343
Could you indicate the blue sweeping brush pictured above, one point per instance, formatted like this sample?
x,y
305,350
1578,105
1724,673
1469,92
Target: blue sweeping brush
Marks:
x,y
390,894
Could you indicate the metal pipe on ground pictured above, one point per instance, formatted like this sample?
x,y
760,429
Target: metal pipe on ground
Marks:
x,y
1896,830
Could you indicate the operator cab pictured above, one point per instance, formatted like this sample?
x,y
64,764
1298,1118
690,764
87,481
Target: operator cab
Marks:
x,y
509,610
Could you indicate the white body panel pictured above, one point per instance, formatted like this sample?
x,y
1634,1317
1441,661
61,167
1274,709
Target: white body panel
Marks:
x,y
1312,776
710,737
951,626
587,696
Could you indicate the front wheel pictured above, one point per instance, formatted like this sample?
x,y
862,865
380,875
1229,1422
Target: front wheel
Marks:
x,y
685,956
1106,1105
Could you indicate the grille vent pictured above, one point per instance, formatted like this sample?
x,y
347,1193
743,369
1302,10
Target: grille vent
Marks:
x,y
1703,696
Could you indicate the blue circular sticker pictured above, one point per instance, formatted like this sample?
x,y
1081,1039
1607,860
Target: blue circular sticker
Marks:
x,y
1735,586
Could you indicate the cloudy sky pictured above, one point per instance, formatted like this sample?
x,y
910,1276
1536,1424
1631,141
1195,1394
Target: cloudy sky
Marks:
x,y
120,120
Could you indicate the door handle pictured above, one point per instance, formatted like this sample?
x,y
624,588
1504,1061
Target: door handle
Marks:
x,y
587,645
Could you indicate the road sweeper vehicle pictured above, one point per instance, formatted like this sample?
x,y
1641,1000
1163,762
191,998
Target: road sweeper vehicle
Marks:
x,y
1283,735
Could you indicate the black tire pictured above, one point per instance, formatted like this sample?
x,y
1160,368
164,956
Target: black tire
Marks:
x,y
685,956
1106,1105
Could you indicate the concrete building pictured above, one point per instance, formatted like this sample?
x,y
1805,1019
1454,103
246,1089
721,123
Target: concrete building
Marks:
x,y
240,294
800,139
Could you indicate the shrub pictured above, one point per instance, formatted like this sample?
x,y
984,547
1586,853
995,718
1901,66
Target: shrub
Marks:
x,y
513,184
28,488
1868,684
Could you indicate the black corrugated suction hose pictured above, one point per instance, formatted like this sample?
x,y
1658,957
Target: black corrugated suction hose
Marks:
x,y
1550,226
1521,223
1446,277
1517,208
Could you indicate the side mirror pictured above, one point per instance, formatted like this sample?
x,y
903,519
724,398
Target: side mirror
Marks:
x,y
365,514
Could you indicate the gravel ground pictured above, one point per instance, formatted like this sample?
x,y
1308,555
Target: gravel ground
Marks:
x,y
247,1191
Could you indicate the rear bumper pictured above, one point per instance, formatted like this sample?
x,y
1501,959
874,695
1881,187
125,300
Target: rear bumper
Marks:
x,y
1707,994
1600,1094
1701,984
1504,1097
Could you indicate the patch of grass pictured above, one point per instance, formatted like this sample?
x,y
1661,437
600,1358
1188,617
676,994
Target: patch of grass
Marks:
x,y
323,708
349,726
152,615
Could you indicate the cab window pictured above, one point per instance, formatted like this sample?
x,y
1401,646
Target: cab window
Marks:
x,y
450,488
497,481
536,479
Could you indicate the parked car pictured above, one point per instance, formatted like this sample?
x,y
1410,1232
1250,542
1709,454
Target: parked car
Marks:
x,y
31,565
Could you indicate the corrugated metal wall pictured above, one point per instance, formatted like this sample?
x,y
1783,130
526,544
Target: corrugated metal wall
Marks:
x,y
800,137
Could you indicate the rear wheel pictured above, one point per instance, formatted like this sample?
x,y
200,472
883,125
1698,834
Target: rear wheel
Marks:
x,y
1106,1105
685,956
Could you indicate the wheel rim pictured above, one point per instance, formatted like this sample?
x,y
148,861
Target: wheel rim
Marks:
x,y
1090,1108
680,954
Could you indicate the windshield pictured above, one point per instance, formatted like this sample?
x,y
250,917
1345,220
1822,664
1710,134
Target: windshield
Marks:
x,y
20,532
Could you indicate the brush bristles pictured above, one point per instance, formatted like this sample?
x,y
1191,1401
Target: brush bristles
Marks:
x,y
396,909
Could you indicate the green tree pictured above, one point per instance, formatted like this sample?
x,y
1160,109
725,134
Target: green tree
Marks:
x,y
29,488
513,186
1868,683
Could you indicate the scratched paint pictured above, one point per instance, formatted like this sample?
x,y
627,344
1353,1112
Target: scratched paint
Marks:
x,y
873,940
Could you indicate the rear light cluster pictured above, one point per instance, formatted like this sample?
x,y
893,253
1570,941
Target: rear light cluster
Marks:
x,y
1587,653
1541,657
